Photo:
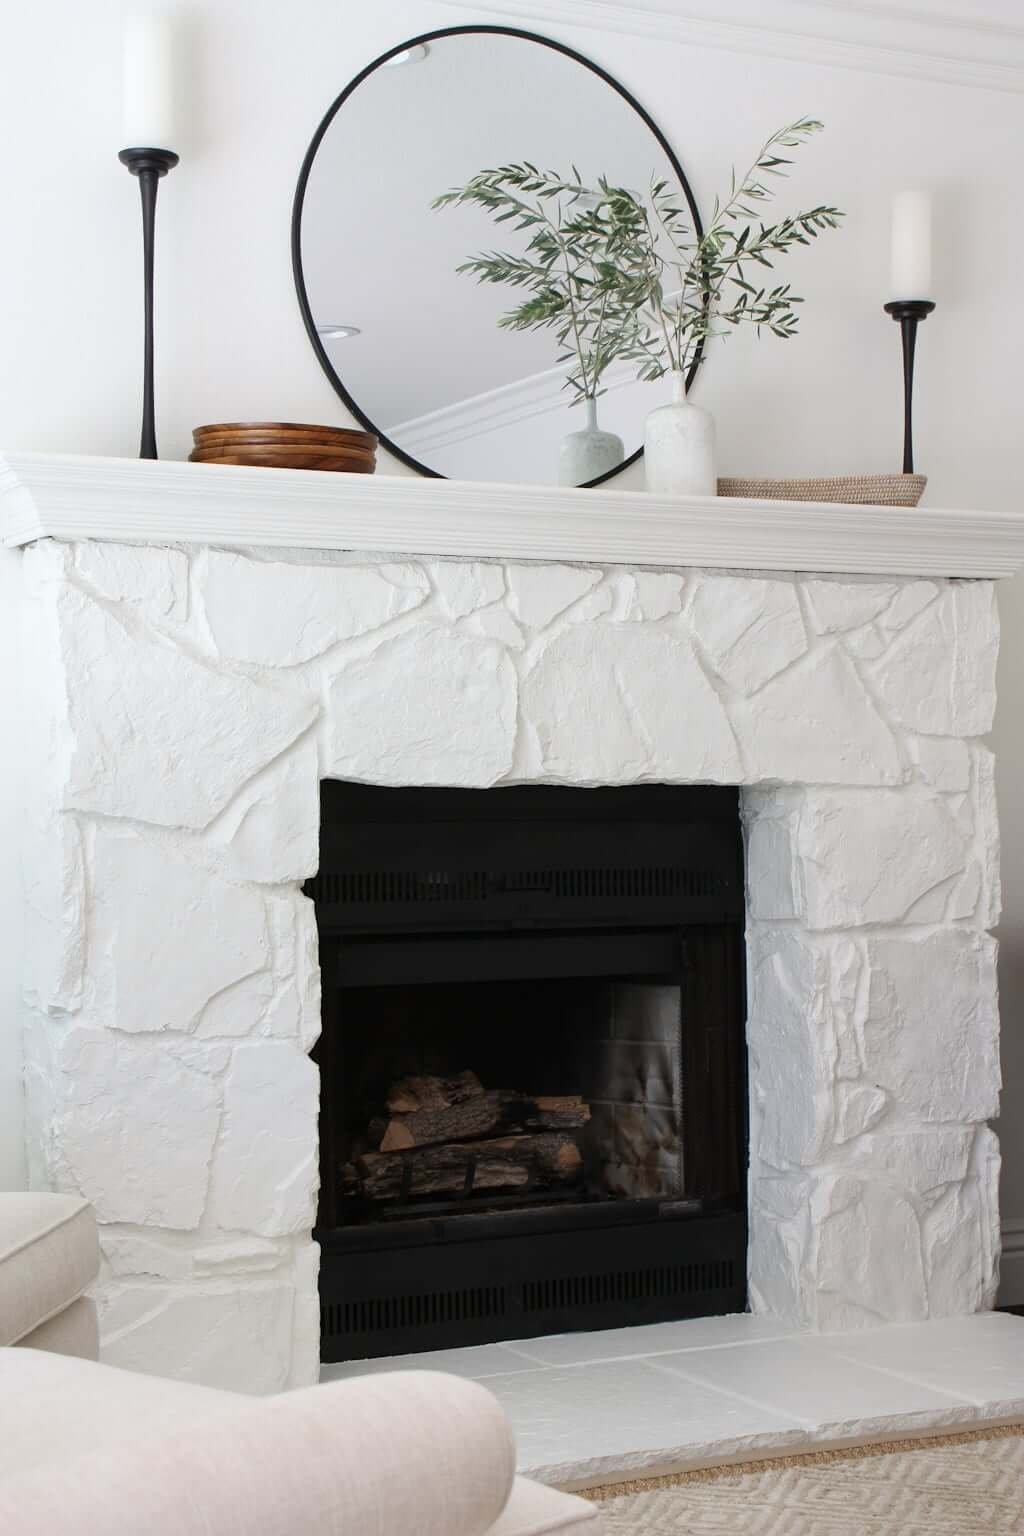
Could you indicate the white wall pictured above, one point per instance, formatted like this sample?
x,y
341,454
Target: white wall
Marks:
x,y
231,343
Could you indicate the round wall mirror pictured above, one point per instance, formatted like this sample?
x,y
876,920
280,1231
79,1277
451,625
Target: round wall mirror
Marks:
x,y
413,346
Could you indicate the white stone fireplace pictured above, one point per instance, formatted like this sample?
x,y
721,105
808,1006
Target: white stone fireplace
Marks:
x,y
186,692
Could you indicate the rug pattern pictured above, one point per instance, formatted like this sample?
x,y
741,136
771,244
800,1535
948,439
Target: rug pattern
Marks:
x,y
973,1489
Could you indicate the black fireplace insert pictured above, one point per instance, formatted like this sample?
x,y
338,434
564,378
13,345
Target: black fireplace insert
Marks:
x,y
533,1068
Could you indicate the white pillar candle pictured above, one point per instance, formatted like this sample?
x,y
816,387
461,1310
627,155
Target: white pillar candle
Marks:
x,y
911,246
149,120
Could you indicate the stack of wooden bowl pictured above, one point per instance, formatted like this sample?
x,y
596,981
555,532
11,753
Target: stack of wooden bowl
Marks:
x,y
285,445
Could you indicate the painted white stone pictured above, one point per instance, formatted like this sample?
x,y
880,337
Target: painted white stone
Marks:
x,y
146,577
660,717
836,606
923,1161
792,1041
956,1261
944,762
279,614
56,903
816,724
138,1119
986,827
152,912
431,706
655,595
539,593
465,585
858,1107
910,600
217,1334
868,1264
868,858
265,1175
496,623
873,1052
772,874
270,832
157,735
938,677
749,629
931,1029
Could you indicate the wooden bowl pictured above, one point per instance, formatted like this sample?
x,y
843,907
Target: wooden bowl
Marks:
x,y
311,458
238,432
285,450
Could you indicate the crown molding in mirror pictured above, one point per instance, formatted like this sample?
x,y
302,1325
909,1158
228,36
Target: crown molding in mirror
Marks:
x,y
133,501
961,44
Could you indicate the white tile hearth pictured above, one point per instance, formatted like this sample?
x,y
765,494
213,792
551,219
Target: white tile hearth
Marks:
x,y
593,1407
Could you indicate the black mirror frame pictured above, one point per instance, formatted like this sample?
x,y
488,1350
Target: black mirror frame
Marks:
x,y
300,196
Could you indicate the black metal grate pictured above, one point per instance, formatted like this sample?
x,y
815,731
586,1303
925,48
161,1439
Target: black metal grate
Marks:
x,y
403,887
377,1324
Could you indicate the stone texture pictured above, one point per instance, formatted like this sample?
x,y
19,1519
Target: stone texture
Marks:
x,y
137,1119
837,606
466,585
219,1335
816,724
931,1028
150,912
303,609
174,815
265,1172
938,677
539,593
271,830
749,629
656,595
431,706
660,717
868,1264
868,858
148,578
158,736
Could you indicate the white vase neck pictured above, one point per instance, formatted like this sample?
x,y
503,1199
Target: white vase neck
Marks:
x,y
591,413
678,387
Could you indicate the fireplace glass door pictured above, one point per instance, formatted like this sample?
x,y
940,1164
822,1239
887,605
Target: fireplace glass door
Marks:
x,y
532,1062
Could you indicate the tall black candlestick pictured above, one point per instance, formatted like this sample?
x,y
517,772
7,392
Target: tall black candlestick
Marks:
x,y
148,165
909,313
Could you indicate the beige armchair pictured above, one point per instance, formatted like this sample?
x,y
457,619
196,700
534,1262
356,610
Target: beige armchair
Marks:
x,y
89,1449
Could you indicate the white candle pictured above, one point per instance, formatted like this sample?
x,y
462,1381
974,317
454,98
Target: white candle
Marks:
x,y
149,82
911,246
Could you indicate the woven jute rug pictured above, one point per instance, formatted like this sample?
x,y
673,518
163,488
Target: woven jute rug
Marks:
x,y
969,1484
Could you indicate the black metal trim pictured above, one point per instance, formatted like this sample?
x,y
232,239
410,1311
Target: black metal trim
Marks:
x,y
300,195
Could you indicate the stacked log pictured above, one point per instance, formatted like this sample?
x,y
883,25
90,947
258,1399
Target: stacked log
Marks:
x,y
451,1137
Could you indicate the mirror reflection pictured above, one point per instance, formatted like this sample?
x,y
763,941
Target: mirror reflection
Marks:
x,y
414,345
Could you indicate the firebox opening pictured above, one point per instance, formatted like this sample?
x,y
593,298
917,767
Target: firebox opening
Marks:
x,y
532,1062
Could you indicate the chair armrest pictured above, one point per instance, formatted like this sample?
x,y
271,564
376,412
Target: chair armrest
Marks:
x,y
401,1452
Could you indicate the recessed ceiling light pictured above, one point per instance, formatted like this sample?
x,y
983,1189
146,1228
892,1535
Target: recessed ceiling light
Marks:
x,y
337,332
411,55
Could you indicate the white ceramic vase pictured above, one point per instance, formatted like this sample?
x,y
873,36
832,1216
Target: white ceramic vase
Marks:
x,y
679,446
585,455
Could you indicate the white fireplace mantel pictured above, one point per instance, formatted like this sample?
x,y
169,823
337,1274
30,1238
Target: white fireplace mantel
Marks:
x,y
76,497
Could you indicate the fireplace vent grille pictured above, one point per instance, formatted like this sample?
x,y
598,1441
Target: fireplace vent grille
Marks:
x,y
390,887
380,1324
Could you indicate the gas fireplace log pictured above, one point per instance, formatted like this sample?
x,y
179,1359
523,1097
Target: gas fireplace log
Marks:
x,y
507,1162
410,1094
494,1113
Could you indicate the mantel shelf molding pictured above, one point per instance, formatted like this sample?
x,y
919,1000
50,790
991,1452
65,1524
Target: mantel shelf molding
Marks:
x,y
72,497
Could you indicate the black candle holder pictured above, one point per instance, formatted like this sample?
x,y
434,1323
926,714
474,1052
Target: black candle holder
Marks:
x,y
909,313
148,165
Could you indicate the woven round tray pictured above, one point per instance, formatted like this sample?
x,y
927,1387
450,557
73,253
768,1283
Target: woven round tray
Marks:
x,y
853,490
